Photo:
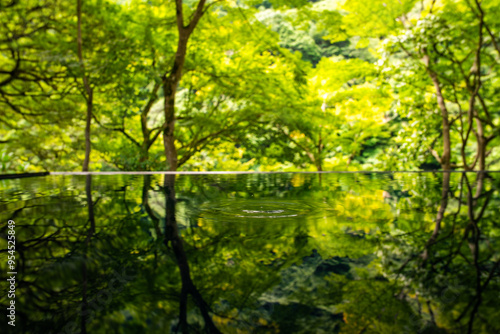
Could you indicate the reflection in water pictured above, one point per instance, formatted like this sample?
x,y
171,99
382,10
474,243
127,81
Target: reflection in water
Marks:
x,y
446,257
90,233
344,253
188,287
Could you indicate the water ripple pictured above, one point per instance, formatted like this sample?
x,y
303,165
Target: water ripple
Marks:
x,y
256,209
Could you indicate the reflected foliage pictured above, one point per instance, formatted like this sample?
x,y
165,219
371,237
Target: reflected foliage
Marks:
x,y
301,253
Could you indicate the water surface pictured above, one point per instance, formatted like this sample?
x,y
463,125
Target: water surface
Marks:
x,y
256,253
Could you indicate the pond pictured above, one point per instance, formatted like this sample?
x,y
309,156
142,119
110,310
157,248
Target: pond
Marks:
x,y
253,253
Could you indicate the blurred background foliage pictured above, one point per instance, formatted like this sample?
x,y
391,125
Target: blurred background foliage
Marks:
x,y
264,85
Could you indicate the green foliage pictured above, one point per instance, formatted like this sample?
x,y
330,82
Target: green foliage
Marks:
x,y
266,85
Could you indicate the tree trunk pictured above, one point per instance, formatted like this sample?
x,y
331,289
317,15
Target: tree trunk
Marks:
x,y
88,90
446,157
144,153
171,81
88,124
481,145
319,160
169,90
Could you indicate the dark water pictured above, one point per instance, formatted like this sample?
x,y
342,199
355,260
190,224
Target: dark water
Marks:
x,y
261,253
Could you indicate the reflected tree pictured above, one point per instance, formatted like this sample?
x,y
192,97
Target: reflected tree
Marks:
x,y
358,252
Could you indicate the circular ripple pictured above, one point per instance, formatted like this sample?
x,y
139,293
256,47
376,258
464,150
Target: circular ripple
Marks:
x,y
256,209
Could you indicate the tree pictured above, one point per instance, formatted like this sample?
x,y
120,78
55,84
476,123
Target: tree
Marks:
x,y
174,76
427,45
228,81
88,91
31,126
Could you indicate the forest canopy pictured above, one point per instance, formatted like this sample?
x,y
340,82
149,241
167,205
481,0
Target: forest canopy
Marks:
x,y
273,85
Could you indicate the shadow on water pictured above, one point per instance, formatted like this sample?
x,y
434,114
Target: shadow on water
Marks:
x,y
350,253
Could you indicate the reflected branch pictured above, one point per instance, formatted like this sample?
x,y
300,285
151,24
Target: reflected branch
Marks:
x,y
439,218
188,287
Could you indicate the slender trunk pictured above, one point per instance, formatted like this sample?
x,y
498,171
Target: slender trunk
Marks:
x,y
474,91
481,145
144,155
144,149
479,186
169,90
446,157
172,79
319,160
88,90
146,133
470,120
88,124
311,157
